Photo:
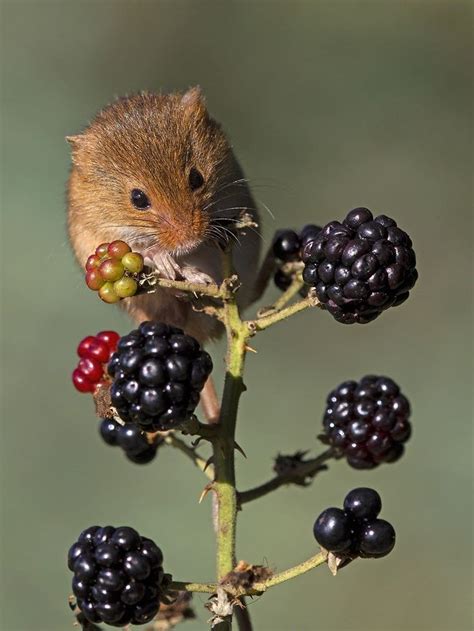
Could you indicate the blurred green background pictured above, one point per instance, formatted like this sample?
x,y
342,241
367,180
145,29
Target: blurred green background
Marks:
x,y
329,105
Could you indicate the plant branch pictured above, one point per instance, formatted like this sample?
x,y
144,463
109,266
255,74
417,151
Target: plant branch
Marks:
x,y
260,324
297,475
292,572
184,586
290,293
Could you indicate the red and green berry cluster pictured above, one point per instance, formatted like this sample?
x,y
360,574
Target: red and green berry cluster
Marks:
x,y
112,271
94,352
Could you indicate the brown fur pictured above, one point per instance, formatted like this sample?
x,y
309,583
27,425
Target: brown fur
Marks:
x,y
150,142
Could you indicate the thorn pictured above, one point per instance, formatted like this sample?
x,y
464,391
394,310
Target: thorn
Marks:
x,y
209,461
205,491
250,349
239,449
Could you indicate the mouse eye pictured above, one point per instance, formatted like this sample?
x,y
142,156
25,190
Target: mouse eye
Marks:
x,y
139,199
195,179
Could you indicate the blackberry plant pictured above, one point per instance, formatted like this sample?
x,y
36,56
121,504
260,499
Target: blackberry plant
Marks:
x,y
147,385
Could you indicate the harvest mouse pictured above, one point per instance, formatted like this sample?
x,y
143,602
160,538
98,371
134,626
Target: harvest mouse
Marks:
x,y
156,171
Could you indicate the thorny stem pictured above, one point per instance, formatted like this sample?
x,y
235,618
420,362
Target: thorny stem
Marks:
x,y
222,434
307,469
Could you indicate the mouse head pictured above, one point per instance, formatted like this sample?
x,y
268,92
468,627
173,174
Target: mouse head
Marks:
x,y
148,167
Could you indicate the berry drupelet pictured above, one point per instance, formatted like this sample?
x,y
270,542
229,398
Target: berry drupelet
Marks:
x,y
94,352
356,529
158,373
131,439
367,421
117,575
360,267
287,248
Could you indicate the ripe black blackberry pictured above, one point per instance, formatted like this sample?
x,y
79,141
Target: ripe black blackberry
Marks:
x,y
131,439
360,267
367,421
117,575
356,530
158,373
287,248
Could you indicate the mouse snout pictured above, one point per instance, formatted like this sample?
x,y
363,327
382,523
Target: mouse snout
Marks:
x,y
182,231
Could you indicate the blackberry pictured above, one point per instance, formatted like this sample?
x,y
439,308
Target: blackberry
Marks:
x,y
287,248
376,538
367,421
158,373
333,530
355,531
131,439
363,503
360,267
117,575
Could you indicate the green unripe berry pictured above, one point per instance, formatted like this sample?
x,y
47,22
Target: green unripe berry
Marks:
x,y
133,262
111,269
126,287
107,293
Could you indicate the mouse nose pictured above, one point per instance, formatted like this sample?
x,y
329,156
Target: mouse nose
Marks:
x,y
181,230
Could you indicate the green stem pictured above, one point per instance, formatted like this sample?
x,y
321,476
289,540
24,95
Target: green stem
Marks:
x,y
260,324
287,295
292,572
224,445
185,586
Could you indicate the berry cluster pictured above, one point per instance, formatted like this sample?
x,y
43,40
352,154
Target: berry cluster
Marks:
x,y
287,248
367,421
112,271
117,575
94,352
131,439
355,529
360,267
158,373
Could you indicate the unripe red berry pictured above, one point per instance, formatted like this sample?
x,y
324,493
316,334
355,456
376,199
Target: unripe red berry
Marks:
x,y
92,262
81,382
110,338
84,345
91,368
94,279
111,269
102,249
99,351
117,249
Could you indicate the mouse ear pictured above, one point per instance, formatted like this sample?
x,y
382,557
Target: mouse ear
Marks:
x,y
76,143
193,101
